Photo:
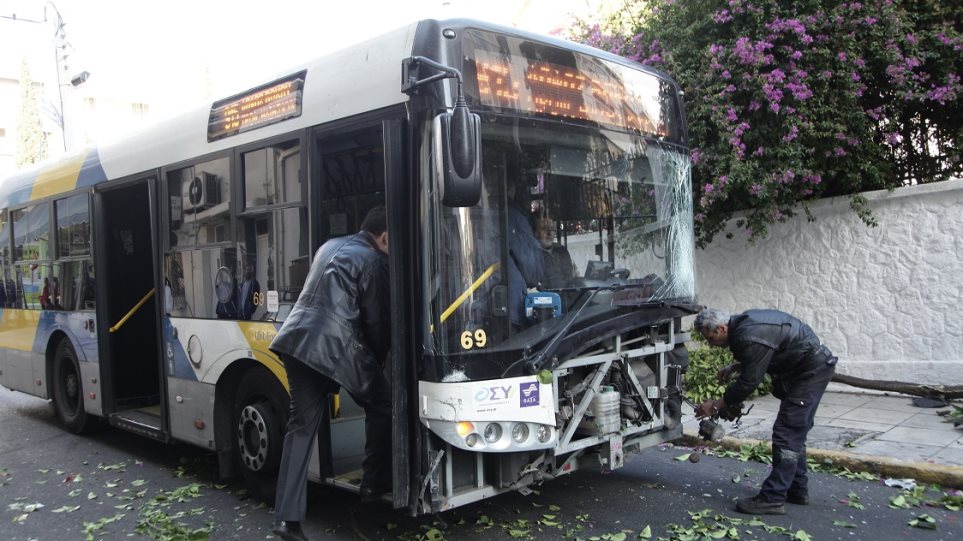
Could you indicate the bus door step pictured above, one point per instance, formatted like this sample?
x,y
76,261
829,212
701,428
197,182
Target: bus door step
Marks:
x,y
350,481
138,422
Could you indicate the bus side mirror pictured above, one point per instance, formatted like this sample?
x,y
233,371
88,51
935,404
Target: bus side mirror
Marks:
x,y
457,152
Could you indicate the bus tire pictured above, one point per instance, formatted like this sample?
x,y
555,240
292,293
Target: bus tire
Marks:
x,y
260,421
68,392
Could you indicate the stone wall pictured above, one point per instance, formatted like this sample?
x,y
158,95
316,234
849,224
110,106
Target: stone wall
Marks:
x,y
886,300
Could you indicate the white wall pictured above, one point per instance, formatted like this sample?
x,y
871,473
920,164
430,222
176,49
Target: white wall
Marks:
x,y
886,300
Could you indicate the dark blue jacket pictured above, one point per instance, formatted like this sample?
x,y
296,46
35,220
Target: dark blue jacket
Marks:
x,y
775,342
526,264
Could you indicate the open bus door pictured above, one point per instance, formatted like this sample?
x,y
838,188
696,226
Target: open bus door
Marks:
x,y
359,167
128,326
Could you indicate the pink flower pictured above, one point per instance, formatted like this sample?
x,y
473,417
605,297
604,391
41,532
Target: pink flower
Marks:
x,y
722,16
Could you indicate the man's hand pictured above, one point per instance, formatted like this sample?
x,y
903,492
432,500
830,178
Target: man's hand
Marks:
x,y
707,409
726,372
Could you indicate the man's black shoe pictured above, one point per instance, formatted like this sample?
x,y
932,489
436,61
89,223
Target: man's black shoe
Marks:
x,y
373,494
758,506
798,498
289,531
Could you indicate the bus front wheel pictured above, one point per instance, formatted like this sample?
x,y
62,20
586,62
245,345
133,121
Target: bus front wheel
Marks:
x,y
260,420
68,392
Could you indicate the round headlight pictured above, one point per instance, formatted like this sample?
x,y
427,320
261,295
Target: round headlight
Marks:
x,y
543,433
520,432
493,432
472,440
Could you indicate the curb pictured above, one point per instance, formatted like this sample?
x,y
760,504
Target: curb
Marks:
x,y
944,475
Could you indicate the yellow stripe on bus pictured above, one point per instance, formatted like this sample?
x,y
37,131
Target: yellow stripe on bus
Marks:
x,y
58,178
259,336
18,329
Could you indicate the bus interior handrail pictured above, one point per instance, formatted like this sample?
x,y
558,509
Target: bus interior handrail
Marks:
x,y
133,310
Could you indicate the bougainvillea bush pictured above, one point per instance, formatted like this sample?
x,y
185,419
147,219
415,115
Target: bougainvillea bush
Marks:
x,y
791,101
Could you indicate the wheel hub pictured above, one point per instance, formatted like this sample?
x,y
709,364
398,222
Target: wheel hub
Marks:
x,y
252,438
71,386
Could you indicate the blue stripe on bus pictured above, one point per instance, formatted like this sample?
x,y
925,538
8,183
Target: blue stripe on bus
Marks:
x,y
178,365
92,172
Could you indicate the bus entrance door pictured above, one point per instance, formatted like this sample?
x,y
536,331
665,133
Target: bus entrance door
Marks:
x,y
126,281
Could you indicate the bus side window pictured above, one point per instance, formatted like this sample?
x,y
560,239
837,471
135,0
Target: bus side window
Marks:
x,y
6,295
203,283
199,210
72,283
272,235
31,233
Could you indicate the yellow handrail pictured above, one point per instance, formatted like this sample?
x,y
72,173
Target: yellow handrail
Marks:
x,y
136,307
471,289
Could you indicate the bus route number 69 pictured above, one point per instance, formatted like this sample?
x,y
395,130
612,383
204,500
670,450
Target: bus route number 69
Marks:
x,y
478,339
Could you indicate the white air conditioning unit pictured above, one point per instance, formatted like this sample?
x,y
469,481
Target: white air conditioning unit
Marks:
x,y
201,193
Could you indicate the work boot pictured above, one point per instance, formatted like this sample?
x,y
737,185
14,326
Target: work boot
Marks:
x,y
289,530
798,497
373,494
758,506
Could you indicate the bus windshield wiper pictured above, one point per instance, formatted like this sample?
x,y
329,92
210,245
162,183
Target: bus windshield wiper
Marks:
x,y
533,363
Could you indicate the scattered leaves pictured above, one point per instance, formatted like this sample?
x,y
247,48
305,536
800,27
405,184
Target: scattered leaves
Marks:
x,y
923,521
853,501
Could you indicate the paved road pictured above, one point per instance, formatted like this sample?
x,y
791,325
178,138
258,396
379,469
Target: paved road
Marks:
x,y
113,485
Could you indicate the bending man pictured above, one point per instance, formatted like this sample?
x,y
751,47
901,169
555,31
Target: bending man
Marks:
x,y
337,335
775,342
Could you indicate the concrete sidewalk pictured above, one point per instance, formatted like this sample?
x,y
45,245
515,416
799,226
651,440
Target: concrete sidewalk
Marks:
x,y
885,433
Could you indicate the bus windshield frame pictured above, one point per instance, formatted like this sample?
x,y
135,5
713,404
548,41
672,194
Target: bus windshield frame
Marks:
x,y
618,205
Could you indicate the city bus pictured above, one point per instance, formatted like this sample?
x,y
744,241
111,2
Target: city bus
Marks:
x,y
144,280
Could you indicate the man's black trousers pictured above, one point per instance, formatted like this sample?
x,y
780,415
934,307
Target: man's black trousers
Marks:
x,y
800,398
309,402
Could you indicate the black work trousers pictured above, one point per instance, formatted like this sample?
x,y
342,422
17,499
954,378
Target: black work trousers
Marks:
x,y
797,412
309,401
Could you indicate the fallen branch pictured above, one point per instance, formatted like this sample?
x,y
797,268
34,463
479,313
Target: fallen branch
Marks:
x,y
948,392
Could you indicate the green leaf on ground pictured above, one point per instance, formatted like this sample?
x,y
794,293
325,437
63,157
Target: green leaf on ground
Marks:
x,y
843,524
646,532
66,509
899,502
923,521
684,457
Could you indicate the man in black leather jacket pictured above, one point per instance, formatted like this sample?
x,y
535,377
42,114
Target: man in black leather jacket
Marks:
x,y
775,342
337,335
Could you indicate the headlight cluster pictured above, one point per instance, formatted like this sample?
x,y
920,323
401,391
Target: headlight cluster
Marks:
x,y
504,436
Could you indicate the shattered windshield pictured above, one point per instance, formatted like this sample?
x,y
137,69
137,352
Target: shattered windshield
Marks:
x,y
564,211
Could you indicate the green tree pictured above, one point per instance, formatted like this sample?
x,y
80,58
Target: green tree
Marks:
x,y
31,139
794,100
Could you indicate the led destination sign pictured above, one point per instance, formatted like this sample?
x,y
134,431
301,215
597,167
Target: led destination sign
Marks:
x,y
515,75
256,108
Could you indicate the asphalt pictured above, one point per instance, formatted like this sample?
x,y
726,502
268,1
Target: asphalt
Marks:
x,y
886,434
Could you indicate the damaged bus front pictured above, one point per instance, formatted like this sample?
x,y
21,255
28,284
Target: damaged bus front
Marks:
x,y
552,335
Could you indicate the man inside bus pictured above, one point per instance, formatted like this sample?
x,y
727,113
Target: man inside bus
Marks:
x,y
526,266
775,342
337,335
558,262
